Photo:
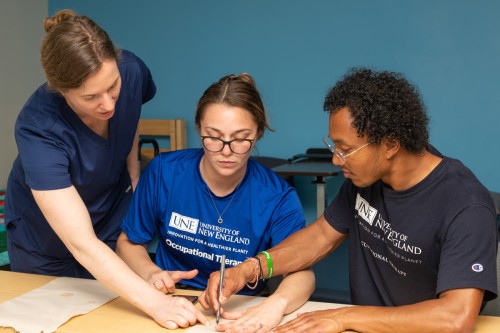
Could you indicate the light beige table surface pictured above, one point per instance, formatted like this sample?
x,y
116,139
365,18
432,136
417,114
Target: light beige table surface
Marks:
x,y
121,317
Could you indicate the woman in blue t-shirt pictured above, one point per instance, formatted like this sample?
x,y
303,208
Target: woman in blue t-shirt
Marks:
x,y
215,201
73,180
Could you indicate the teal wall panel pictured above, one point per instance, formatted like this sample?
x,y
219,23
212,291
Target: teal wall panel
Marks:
x,y
296,50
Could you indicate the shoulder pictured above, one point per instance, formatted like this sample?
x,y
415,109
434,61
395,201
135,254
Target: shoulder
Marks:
x,y
41,111
136,76
128,58
128,62
460,179
456,173
176,158
265,177
182,155
453,188
179,166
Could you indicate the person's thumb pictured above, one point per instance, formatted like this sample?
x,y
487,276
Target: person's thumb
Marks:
x,y
183,275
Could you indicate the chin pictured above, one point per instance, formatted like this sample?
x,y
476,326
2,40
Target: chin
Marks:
x,y
361,184
227,172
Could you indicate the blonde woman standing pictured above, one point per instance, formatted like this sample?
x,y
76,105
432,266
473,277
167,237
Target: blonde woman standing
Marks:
x,y
77,166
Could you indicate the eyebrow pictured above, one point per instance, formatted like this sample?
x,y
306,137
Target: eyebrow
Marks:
x,y
340,142
236,132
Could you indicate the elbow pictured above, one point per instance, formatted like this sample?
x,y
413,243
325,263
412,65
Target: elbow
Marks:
x,y
458,328
459,309
120,243
312,279
463,323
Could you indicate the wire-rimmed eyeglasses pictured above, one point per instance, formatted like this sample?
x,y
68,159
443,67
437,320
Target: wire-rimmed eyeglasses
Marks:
x,y
343,156
237,146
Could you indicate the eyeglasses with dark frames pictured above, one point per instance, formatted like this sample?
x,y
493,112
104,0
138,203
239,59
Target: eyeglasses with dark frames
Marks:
x,y
237,146
343,156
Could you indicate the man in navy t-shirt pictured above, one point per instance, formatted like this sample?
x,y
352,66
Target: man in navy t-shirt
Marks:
x,y
421,227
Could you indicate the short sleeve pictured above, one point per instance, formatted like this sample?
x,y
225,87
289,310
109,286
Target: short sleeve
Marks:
x,y
340,211
44,158
288,217
140,221
468,257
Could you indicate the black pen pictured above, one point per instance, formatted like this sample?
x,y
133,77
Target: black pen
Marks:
x,y
222,269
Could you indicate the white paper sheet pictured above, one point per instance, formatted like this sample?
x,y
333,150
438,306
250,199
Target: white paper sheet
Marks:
x,y
46,308
242,303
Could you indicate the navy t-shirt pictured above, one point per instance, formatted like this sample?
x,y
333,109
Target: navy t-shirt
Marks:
x,y
57,150
409,246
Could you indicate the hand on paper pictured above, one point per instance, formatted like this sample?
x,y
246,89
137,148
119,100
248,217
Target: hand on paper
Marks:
x,y
327,321
234,281
260,318
174,312
165,281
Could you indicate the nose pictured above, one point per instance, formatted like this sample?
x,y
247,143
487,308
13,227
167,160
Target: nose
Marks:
x,y
108,102
336,160
226,150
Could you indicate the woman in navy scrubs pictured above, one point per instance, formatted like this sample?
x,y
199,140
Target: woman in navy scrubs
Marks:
x,y
72,182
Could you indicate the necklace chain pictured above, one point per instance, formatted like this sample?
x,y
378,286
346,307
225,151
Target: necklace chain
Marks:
x,y
220,220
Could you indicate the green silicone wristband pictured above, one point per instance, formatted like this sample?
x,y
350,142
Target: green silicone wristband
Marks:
x,y
269,264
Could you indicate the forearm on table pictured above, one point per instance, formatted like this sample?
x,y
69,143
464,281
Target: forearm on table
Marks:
x,y
68,216
455,312
115,274
302,249
110,270
294,290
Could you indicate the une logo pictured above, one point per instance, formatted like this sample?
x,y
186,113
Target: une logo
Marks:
x,y
364,209
183,223
477,268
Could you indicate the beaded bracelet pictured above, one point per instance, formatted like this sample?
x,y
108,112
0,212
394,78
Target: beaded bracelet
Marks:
x,y
261,272
255,281
269,264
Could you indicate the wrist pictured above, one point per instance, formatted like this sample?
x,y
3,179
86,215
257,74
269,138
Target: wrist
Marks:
x,y
266,262
280,302
150,271
249,270
253,283
346,316
146,298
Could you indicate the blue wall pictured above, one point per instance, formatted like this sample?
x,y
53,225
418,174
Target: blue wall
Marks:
x,y
296,50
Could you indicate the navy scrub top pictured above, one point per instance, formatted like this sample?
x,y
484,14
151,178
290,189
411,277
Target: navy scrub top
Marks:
x,y
57,150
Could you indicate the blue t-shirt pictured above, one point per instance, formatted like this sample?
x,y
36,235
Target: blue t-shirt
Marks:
x,y
409,246
173,201
57,150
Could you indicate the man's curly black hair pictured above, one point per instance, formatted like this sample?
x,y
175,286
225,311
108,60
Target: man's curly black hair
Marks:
x,y
383,105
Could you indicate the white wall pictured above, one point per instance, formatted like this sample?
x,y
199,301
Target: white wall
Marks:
x,y
21,31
